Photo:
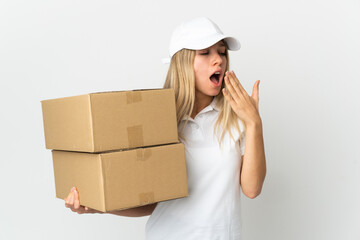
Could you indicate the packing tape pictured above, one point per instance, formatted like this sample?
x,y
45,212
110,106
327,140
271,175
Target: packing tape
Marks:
x,y
133,97
135,136
146,198
142,154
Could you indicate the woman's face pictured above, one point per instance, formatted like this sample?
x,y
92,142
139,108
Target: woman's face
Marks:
x,y
209,67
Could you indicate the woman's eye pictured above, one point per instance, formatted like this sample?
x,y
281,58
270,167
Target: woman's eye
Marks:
x,y
204,53
223,53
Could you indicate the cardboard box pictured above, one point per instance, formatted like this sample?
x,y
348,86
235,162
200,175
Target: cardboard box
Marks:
x,y
122,179
99,122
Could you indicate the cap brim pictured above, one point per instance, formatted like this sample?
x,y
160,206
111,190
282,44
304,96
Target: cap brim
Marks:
x,y
232,43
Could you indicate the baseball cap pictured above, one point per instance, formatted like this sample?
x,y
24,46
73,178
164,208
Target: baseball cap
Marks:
x,y
199,33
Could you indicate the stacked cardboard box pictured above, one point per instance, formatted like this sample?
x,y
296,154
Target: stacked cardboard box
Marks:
x,y
119,149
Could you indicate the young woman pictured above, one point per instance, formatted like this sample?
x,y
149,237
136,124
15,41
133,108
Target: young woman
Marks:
x,y
216,117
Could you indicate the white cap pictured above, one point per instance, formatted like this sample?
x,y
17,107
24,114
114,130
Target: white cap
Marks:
x,y
198,34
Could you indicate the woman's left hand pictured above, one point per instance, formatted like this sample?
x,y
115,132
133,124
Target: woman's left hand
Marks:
x,y
246,107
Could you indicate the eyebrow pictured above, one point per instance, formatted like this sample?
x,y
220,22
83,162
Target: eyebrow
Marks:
x,y
222,45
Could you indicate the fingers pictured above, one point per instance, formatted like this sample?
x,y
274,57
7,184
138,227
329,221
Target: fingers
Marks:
x,y
72,201
76,200
255,93
69,198
90,210
76,206
234,88
227,96
231,89
236,83
236,95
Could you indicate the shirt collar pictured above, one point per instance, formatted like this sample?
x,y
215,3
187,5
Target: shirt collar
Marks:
x,y
213,106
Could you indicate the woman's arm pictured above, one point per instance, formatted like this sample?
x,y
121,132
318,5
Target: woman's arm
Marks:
x,y
136,212
253,169
72,202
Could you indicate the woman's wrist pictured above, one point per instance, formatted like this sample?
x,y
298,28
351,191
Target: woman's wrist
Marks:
x,y
254,124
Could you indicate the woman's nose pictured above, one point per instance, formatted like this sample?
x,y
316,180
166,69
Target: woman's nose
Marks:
x,y
217,59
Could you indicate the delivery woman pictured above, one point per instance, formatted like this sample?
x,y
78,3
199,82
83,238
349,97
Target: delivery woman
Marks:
x,y
216,117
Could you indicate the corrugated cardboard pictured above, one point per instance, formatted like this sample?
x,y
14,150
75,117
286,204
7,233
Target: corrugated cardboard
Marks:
x,y
122,179
99,122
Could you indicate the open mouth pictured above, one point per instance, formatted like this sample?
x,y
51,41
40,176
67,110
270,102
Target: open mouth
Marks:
x,y
215,78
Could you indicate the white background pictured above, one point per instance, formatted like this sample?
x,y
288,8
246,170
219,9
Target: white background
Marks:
x,y
306,54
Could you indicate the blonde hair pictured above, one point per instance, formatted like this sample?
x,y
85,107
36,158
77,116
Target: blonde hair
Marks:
x,y
181,77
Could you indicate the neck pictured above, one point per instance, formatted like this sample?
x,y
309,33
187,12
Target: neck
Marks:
x,y
201,101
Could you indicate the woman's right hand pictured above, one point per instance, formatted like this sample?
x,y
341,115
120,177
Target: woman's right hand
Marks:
x,y
72,201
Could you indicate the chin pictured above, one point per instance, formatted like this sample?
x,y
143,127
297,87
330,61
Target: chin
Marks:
x,y
214,93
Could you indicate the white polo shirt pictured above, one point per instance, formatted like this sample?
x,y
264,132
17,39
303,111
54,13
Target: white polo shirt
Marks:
x,y
212,210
